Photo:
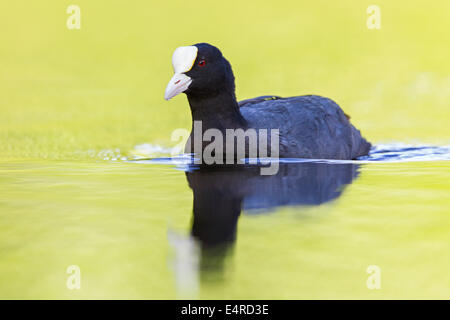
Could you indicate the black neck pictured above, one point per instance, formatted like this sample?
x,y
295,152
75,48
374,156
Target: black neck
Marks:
x,y
219,111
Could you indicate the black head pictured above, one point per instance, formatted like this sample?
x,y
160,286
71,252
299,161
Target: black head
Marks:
x,y
200,71
211,73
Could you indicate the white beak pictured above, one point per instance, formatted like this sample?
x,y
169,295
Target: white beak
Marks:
x,y
183,59
178,84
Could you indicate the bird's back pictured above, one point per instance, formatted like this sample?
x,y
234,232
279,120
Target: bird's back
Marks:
x,y
310,126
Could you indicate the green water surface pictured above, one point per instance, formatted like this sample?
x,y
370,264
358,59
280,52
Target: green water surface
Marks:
x,y
68,97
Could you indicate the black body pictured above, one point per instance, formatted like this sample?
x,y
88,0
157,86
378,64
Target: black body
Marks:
x,y
309,126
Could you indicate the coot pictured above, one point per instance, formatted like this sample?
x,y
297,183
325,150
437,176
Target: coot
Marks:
x,y
309,126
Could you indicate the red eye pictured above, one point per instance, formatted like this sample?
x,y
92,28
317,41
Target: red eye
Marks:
x,y
202,63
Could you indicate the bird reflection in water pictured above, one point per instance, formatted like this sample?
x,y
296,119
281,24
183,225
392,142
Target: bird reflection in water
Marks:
x,y
221,193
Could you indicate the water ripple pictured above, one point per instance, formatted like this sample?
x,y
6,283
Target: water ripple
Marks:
x,y
382,153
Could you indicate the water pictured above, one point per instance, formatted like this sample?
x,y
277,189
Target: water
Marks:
x,y
75,191
162,228
394,152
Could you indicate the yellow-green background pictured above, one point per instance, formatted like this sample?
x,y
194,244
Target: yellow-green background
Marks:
x,y
65,92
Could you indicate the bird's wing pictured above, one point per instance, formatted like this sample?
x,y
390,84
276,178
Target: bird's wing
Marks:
x,y
249,102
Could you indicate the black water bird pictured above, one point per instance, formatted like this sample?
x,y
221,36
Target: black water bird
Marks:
x,y
309,126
